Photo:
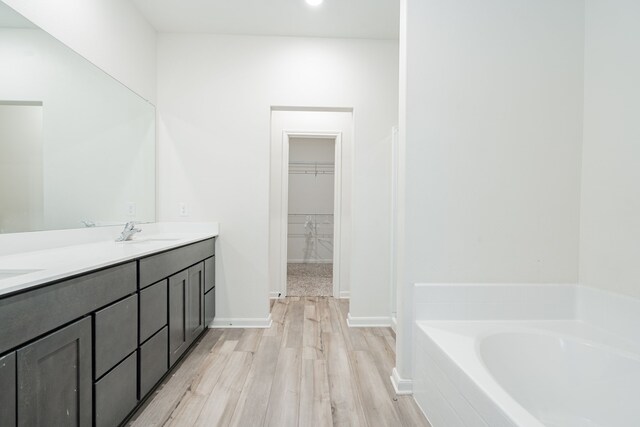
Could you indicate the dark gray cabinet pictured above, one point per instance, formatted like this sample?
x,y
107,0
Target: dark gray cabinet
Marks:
x,y
153,309
116,333
209,307
154,360
209,290
84,351
116,393
31,314
8,389
195,313
54,385
160,266
209,274
186,309
178,309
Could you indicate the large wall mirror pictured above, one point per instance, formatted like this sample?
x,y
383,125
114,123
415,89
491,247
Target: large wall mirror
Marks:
x,y
77,148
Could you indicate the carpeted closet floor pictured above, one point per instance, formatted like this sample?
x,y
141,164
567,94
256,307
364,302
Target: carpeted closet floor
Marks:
x,y
309,280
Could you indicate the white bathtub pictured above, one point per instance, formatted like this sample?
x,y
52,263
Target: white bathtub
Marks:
x,y
525,373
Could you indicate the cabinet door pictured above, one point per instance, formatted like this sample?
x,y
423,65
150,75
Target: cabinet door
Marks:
x,y
209,274
209,307
8,389
195,309
179,336
54,378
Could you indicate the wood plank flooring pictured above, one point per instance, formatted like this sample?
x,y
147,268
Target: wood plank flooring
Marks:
x,y
308,369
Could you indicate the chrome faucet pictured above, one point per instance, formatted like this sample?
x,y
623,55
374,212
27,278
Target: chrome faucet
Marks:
x,y
129,230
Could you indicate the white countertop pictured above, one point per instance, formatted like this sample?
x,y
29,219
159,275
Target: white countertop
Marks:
x,y
60,262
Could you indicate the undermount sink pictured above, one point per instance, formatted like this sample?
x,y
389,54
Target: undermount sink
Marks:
x,y
7,274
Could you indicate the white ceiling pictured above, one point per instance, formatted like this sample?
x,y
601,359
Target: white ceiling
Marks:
x,y
376,19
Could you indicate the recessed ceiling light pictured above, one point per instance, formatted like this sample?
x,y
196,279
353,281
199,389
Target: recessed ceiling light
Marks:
x,y
314,2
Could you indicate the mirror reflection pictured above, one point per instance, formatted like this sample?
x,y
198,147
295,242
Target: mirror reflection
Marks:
x,y
77,148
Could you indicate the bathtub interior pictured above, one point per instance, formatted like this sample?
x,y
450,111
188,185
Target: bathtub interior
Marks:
x,y
524,364
564,381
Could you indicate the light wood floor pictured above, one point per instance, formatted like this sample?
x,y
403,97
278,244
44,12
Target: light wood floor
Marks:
x,y
308,369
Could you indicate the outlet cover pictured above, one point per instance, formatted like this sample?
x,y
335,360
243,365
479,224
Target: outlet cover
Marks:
x,y
183,209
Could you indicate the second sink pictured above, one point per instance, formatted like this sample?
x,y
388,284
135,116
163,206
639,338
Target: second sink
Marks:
x,y
7,274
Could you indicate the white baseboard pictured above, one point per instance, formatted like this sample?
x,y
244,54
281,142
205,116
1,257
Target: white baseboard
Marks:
x,y
345,294
367,322
394,324
401,386
275,295
241,323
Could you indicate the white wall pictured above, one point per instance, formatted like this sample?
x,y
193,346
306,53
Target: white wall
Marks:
x,y
110,33
214,100
490,130
610,213
310,200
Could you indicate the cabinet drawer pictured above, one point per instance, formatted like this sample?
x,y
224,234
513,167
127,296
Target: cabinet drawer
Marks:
x,y
209,307
163,265
209,273
116,393
27,315
116,333
154,360
8,389
153,309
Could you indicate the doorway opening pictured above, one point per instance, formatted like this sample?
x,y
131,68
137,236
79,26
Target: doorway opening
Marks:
x,y
310,219
21,166
321,155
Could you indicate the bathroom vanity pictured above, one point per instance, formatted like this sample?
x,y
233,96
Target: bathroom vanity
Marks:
x,y
87,349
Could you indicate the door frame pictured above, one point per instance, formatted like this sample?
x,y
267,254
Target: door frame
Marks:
x,y
337,202
393,209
